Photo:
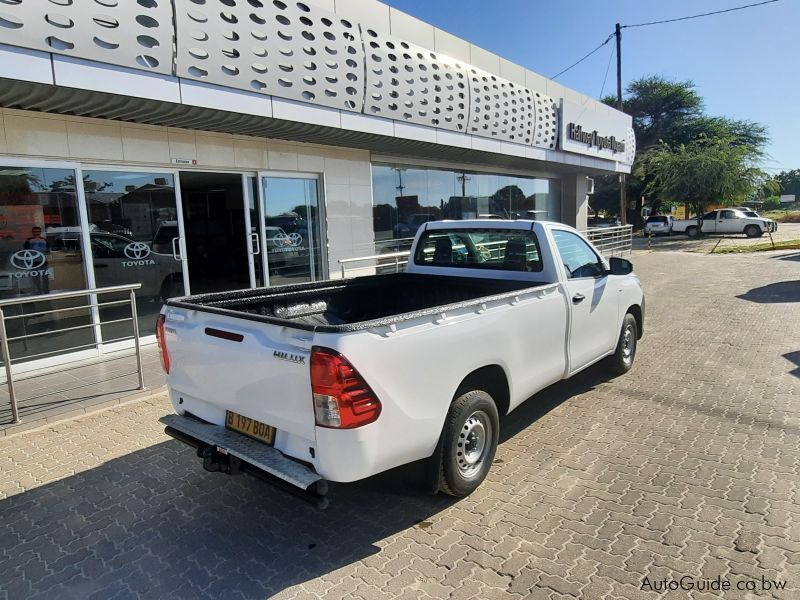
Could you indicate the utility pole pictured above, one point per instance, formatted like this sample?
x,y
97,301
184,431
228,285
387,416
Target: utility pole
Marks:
x,y
623,204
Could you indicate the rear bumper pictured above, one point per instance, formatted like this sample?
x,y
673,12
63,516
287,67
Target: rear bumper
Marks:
x,y
262,457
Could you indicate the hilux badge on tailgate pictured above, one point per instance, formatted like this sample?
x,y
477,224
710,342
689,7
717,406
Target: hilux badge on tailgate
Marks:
x,y
295,358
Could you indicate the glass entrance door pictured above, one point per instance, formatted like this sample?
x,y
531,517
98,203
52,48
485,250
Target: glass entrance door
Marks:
x,y
217,236
292,236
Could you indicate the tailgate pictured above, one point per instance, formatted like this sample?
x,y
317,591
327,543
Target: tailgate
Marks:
x,y
256,369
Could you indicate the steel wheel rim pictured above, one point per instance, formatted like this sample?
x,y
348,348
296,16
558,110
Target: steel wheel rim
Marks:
x,y
474,444
628,344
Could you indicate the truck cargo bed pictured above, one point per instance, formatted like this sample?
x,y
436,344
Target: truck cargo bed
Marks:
x,y
351,303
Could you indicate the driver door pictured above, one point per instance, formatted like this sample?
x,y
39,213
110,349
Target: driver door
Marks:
x,y
594,300
727,222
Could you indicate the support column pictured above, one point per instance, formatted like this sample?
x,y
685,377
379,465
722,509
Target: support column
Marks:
x,y
575,200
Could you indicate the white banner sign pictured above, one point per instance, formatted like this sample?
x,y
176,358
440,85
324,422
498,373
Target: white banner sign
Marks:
x,y
606,134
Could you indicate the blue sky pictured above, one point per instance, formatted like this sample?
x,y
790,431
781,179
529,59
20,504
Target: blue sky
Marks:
x,y
746,64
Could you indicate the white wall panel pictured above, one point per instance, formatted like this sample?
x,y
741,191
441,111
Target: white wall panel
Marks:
x,y
410,83
500,109
131,33
286,49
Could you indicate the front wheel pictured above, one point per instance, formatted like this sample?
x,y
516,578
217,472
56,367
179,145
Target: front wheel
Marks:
x,y
622,360
468,444
752,231
692,231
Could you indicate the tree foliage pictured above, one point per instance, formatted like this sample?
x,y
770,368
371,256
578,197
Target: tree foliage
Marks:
x,y
670,116
789,182
702,172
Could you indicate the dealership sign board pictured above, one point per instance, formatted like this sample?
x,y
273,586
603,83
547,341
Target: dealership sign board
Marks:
x,y
605,134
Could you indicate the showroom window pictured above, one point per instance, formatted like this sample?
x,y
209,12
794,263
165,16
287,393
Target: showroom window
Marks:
x,y
40,254
405,197
133,232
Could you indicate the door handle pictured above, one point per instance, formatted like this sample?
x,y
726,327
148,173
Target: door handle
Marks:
x,y
175,250
255,248
578,298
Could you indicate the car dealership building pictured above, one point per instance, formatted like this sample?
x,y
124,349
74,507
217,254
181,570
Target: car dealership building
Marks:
x,y
208,145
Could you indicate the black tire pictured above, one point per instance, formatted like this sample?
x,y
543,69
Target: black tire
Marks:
x,y
752,231
623,357
692,231
468,443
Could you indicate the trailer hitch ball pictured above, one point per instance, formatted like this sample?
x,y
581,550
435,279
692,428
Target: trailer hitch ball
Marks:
x,y
215,461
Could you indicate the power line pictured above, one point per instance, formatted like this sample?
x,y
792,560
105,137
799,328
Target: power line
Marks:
x,y
605,77
708,14
575,64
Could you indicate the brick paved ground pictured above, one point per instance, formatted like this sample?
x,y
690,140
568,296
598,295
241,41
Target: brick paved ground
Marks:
x,y
686,466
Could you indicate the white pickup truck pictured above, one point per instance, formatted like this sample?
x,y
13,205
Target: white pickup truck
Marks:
x,y
340,380
725,220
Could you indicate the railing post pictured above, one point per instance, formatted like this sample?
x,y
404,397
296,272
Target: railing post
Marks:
x,y
396,264
343,275
135,316
7,362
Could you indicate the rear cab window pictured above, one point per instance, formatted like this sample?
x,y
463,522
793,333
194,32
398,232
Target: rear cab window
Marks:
x,y
498,249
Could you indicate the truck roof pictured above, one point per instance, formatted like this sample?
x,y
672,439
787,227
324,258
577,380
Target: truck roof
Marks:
x,y
484,223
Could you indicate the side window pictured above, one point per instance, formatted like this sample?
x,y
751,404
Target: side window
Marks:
x,y
727,214
578,257
710,216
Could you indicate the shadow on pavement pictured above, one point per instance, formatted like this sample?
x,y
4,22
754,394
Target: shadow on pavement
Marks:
x,y
153,523
794,257
778,292
794,357
550,398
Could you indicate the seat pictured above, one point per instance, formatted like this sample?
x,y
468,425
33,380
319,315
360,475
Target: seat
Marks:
x,y
443,251
516,256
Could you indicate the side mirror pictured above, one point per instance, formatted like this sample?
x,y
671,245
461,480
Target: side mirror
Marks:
x,y
620,266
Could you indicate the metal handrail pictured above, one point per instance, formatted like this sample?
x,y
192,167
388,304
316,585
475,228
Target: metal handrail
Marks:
x,y
5,352
606,239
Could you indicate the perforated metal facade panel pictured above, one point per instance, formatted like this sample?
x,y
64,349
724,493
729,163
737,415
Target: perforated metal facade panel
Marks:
x,y
546,127
630,146
287,49
410,83
499,108
131,33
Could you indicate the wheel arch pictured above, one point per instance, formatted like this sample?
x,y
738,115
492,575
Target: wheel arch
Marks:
x,y
493,380
638,314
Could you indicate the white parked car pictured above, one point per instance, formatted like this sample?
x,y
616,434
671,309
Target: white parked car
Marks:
x,y
659,225
725,220
340,380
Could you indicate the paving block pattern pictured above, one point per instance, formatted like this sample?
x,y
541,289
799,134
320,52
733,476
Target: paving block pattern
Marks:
x,y
686,467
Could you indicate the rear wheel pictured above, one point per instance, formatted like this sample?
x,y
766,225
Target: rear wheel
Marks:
x,y
468,443
692,231
622,360
752,231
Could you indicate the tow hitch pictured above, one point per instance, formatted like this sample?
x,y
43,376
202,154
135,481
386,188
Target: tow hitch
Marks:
x,y
222,459
217,460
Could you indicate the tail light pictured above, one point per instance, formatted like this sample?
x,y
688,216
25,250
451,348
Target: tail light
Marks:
x,y
342,399
162,343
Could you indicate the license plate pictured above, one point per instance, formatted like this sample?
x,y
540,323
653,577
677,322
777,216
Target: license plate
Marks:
x,y
250,427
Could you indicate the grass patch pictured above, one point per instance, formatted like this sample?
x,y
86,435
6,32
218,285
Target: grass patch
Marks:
x,y
763,247
783,216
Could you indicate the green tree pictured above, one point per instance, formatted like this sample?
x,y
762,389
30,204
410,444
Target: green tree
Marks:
x,y
789,182
702,172
671,113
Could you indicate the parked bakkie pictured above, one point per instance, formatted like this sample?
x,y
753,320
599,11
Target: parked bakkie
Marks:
x,y
340,380
725,220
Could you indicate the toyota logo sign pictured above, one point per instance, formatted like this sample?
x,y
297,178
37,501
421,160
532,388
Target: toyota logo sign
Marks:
x,y
295,239
28,259
137,250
